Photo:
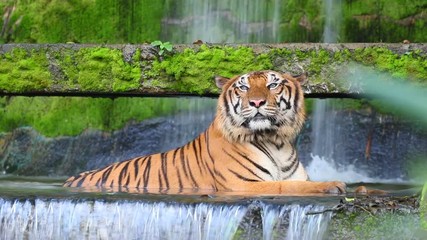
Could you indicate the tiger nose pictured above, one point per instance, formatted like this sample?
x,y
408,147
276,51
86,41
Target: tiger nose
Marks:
x,y
257,102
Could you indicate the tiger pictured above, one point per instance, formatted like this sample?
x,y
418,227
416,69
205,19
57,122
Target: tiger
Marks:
x,y
249,147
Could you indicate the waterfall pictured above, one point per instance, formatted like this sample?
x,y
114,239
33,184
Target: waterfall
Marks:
x,y
324,124
223,21
325,138
69,219
299,224
324,135
333,16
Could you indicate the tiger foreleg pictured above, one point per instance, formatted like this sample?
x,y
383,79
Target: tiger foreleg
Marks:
x,y
292,187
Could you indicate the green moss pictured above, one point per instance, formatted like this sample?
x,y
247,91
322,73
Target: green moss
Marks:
x,y
320,64
192,70
342,56
323,66
100,69
103,69
21,71
361,225
318,59
412,65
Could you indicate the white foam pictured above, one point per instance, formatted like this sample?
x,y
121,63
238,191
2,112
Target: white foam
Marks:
x,y
322,169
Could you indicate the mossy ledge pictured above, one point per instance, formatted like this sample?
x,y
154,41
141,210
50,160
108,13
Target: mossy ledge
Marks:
x,y
138,70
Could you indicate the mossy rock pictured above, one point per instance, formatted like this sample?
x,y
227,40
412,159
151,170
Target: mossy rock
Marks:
x,y
32,69
377,218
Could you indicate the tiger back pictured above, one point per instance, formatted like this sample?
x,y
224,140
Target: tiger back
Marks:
x,y
249,147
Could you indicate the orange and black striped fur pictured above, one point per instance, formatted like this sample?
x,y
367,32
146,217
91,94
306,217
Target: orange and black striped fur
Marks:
x,y
249,147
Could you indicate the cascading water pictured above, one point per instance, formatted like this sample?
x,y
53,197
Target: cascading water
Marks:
x,y
325,127
68,219
222,21
327,138
327,151
299,224
333,16
324,137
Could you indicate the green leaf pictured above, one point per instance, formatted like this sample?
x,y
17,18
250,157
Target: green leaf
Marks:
x,y
167,46
161,51
156,43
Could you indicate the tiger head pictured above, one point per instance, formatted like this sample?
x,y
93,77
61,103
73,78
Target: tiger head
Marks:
x,y
262,105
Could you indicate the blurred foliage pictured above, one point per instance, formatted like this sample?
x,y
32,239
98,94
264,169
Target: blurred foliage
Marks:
x,y
58,116
137,21
402,96
384,21
83,21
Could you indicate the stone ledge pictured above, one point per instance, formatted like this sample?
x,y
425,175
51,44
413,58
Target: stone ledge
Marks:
x,y
138,70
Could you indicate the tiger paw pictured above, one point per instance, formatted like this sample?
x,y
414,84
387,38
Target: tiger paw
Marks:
x,y
333,187
362,190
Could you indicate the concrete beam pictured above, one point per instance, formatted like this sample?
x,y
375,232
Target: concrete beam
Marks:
x,y
139,70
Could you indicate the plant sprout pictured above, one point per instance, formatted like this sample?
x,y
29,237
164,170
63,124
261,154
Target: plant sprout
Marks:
x,y
162,46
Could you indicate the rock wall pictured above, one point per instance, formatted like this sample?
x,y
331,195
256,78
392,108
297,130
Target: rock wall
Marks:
x,y
394,144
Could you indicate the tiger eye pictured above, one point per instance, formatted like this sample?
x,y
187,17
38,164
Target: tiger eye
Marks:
x,y
243,88
273,86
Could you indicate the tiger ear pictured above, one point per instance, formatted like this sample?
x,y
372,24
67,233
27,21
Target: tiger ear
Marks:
x,y
221,81
302,78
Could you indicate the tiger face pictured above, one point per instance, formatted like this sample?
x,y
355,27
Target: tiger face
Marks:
x,y
260,104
